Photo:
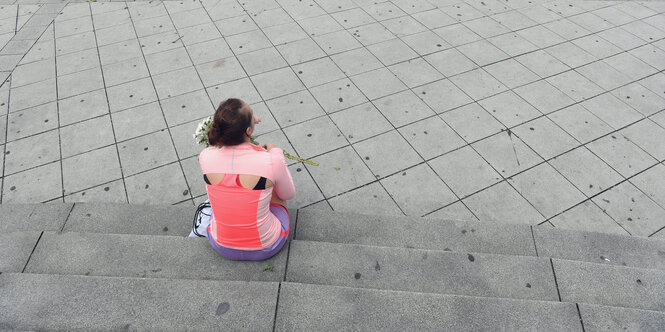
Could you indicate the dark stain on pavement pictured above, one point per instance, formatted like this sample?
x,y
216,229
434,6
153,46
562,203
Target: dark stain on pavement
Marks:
x,y
222,308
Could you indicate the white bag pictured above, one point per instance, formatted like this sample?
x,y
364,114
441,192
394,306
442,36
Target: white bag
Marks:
x,y
202,219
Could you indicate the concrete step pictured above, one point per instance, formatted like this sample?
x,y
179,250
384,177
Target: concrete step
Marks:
x,y
16,248
487,275
326,226
611,285
391,268
414,232
605,318
130,219
52,302
97,217
426,271
600,248
33,217
477,237
133,219
304,307
146,256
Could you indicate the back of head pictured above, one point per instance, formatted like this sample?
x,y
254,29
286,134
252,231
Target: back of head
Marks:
x,y
230,123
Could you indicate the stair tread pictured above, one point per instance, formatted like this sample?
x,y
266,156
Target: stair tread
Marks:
x,y
304,307
424,271
414,232
42,301
612,285
51,302
130,219
600,248
144,256
16,248
607,318
33,217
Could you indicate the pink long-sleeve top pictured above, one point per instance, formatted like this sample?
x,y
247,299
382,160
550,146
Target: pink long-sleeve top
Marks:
x,y
242,218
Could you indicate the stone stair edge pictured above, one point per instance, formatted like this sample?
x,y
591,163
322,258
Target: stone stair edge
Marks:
x,y
291,240
463,296
471,252
282,282
377,290
473,222
286,297
306,212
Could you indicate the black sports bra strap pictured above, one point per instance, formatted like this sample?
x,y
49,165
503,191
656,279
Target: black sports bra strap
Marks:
x,y
261,185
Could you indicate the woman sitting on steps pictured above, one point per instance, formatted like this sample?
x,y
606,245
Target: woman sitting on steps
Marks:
x,y
247,186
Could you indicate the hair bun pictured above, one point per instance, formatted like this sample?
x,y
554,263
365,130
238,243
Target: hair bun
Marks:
x,y
230,123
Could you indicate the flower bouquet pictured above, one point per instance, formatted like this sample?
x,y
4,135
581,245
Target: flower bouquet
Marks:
x,y
201,137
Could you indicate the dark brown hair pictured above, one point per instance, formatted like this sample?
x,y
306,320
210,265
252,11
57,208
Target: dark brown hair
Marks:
x,y
230,123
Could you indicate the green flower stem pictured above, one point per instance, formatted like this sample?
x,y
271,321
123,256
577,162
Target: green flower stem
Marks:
x,y
302,160
289,156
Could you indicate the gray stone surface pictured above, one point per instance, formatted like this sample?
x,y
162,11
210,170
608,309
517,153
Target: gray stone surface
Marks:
x,y
45,302
144,256
439,74
587,216
420,233
632,209
130,219
604,284
502,204
33,217
600,248
604,318
422,271
16,248
314,307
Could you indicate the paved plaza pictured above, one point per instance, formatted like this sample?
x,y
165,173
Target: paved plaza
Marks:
x,y
513,111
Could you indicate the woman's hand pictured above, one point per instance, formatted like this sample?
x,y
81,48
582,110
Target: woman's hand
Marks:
x,y
269,146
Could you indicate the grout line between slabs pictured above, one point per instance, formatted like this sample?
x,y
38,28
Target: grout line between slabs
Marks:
x,y
579,313
556,283
68,215
57,107
32,252
117,149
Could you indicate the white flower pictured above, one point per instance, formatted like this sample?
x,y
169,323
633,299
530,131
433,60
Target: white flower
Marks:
x,y
201,133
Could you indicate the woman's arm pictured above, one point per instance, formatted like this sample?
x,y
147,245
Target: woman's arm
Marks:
x,y
283,183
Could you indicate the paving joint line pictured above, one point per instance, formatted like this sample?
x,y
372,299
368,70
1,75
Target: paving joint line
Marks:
x,y
32,252
556,283
57,107
4,146
533,238
579,313
274,320
68,215
108,105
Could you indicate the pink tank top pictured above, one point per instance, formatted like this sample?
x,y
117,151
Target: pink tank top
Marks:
x,y
242,218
